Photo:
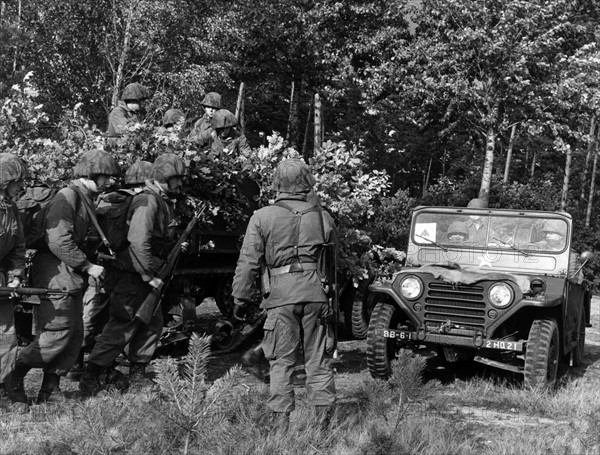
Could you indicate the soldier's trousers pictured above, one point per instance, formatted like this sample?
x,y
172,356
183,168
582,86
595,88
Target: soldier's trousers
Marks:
x,y
123,328
8,337
95,313
286,329
58,320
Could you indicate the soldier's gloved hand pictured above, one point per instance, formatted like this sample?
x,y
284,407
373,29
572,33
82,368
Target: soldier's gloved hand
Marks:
x,y
240,310
185,246
156,283
95,271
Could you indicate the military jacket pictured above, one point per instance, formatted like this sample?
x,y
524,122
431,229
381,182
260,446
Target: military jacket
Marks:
x,y
118,119
12,241
151,232
201,132
281,237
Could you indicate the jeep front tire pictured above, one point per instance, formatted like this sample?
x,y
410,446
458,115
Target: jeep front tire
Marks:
x,y
542,355
381,351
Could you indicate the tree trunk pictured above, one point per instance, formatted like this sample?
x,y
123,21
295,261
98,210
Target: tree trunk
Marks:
x,y
427,176
509,152
239,108
318,137
488,165
118,77
590,148
306,132
565,189
532,173
588,214
292,115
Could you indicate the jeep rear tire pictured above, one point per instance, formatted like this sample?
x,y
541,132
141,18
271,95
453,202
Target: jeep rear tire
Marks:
x,y
542,355
362,308
381,351
579,350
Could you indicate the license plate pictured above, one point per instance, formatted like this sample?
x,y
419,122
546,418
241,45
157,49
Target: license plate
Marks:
x,y
397,334
504,345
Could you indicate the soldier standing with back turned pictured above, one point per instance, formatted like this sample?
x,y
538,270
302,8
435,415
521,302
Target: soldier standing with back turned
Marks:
x,y
289,236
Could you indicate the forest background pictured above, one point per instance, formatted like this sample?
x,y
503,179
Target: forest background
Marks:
x,y
429,102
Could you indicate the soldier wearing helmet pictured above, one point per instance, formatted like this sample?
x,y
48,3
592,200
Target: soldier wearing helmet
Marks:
x,y
227,139
62,263
477,226
554,235
127,112
457,232
12,257
150,237
289,236
111,210
202,131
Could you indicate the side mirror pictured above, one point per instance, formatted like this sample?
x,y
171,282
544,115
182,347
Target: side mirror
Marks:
x,y
587,256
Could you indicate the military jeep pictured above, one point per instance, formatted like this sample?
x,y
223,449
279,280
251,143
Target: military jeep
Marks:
x,y
500,287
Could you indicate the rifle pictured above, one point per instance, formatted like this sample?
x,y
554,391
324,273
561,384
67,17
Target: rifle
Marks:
x,y
33,294
151,303
330,286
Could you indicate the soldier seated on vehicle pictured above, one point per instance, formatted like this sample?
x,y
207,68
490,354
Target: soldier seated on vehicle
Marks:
x,y
457,232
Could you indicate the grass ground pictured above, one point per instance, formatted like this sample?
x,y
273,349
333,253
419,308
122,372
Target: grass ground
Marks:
x,y
472,411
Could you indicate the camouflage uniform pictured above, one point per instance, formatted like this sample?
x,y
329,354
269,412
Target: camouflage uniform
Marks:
x,y
229,140
121,116
12,259
61,263
150,238
202,131
290,240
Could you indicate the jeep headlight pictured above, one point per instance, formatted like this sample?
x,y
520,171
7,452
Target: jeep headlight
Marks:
x,y
501,295
411,287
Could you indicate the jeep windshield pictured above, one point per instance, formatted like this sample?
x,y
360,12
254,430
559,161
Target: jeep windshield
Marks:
x,y
516,233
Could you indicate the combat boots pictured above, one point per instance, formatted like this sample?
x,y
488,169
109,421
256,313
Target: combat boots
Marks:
x,y
77,369
89,384
137,376
50,382
15,387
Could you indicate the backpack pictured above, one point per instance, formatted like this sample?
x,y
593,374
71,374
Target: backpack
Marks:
x,y
31,206
111,212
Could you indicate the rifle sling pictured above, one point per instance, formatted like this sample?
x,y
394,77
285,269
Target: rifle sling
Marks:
x,y
92,214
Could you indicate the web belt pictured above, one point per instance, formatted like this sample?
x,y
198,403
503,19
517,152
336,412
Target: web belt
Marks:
x,y
293,268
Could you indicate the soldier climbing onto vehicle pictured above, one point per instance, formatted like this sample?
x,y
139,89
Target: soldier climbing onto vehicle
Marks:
x,y
150,236
127,112
62,263
289,236
12,258
202,132
111,210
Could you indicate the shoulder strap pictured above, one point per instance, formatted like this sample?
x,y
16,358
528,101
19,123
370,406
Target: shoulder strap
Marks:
x,y
92,214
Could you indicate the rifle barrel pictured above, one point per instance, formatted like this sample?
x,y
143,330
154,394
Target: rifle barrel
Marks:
x,y
4,291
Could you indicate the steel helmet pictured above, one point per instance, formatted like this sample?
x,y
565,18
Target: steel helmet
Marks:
x,y
476,204
138,172
223,119
96,162
172,116
293,176
458,228
135,91
12,168
166,166
212,99
556,226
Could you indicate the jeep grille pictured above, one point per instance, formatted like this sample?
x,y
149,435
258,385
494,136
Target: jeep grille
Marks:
x,y
462,305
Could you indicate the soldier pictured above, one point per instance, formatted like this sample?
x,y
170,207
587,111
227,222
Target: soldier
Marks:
x,y
61,263
171,117
289,236
457,232
12,256
202,132
150,238
127,112
95,299
227,138
476,226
